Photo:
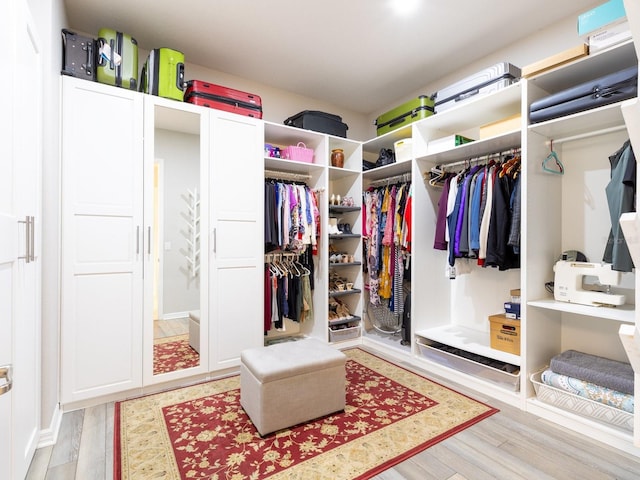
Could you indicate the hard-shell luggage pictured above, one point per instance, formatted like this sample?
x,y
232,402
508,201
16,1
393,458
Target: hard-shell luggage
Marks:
x,y
405,114
117,59
486,81
163,74
605,90
223,98
318,122
78,55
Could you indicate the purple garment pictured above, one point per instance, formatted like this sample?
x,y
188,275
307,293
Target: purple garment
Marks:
x,y
439,242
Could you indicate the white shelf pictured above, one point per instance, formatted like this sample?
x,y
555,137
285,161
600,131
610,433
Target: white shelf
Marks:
x,y
624,313
476,148
469,340
472,113
608,116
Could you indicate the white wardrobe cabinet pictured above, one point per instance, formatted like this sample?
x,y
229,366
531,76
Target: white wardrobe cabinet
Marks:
x,y
161,209
102,240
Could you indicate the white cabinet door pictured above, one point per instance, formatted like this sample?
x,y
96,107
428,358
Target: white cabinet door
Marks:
x,y
27,148
8,238
102,240
237,232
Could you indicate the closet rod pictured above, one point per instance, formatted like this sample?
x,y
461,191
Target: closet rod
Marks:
x,y
587,134
278,256
481,158
286,175
403,177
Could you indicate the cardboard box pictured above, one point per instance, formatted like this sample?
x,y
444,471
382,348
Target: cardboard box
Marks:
x,y
603,15
555,60
506,125
505,333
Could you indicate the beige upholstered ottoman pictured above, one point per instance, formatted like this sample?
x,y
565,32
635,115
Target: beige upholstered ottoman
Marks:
x,y
292,382
194,330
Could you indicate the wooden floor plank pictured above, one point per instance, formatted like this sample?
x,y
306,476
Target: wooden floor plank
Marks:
x,y
39,464
66,448
91,456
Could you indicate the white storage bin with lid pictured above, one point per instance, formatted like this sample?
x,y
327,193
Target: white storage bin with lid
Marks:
x,y
403,149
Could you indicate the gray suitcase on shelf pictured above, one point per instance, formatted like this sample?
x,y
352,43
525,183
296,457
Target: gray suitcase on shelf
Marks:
x,y
486,81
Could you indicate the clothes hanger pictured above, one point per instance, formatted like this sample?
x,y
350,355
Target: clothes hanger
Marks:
x,y
558,169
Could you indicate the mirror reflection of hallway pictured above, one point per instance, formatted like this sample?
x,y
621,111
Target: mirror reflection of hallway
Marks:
x,y
175,260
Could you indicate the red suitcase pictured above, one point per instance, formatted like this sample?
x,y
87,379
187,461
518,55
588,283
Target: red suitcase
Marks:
x,y
223,98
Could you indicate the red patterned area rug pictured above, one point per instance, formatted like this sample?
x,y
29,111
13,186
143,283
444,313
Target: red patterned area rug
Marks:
x,y
202,432
173,353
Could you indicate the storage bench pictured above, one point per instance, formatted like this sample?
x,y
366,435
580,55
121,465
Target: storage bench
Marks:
x,y
289,383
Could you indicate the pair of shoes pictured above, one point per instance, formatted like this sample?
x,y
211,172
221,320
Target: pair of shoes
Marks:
x,y
347,202
344,228
334,200
333,226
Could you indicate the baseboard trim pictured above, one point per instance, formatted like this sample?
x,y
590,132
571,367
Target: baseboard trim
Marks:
x,y
49,436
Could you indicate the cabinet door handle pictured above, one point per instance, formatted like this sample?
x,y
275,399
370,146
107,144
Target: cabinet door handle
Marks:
x,y
137,239
149,240
215,245
33,238
28,239
5,373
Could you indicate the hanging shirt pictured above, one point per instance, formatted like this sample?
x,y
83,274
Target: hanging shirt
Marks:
x,y
621,191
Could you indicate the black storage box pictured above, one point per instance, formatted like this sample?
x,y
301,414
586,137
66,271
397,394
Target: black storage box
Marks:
x,y
611,88
319,122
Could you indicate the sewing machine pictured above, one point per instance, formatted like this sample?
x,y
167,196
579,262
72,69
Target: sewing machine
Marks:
x,y
569,283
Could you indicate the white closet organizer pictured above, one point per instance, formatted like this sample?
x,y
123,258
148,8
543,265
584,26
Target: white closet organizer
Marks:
x,y
571,212
325,179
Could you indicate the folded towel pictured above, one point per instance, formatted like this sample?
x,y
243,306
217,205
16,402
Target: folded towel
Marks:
x,y
596,393
594,369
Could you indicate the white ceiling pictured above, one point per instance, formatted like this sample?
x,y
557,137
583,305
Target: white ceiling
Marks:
x,y
355,53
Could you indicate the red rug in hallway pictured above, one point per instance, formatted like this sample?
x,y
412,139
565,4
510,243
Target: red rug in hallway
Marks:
x,y
202,432
173,353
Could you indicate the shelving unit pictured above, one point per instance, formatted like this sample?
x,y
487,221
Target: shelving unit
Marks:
x,y
325,179
574,214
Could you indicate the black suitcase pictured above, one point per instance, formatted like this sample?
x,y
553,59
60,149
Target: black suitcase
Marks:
x,y
319,122
605,90
78,55
406,321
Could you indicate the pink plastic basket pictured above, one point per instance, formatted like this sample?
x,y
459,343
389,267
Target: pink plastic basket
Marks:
x,y
299,153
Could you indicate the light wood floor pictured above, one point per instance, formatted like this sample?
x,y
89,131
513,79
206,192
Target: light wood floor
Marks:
x,y
509,445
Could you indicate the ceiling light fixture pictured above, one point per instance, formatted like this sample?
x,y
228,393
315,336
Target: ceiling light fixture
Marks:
x,y
404,7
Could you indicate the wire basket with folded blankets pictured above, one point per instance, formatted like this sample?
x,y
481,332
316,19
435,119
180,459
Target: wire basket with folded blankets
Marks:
x,y
589,385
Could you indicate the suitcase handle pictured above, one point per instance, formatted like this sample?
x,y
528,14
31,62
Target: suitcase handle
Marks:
x,y
90,58
467,94
111,63
180,76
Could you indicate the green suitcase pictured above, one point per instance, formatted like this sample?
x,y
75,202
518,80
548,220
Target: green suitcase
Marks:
x,y
117,62
163,74
407,113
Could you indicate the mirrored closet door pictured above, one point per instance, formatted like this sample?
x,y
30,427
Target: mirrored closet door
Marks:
x,y
175,307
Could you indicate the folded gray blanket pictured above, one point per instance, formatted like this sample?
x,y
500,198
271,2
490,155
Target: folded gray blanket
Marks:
x,y
594,369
